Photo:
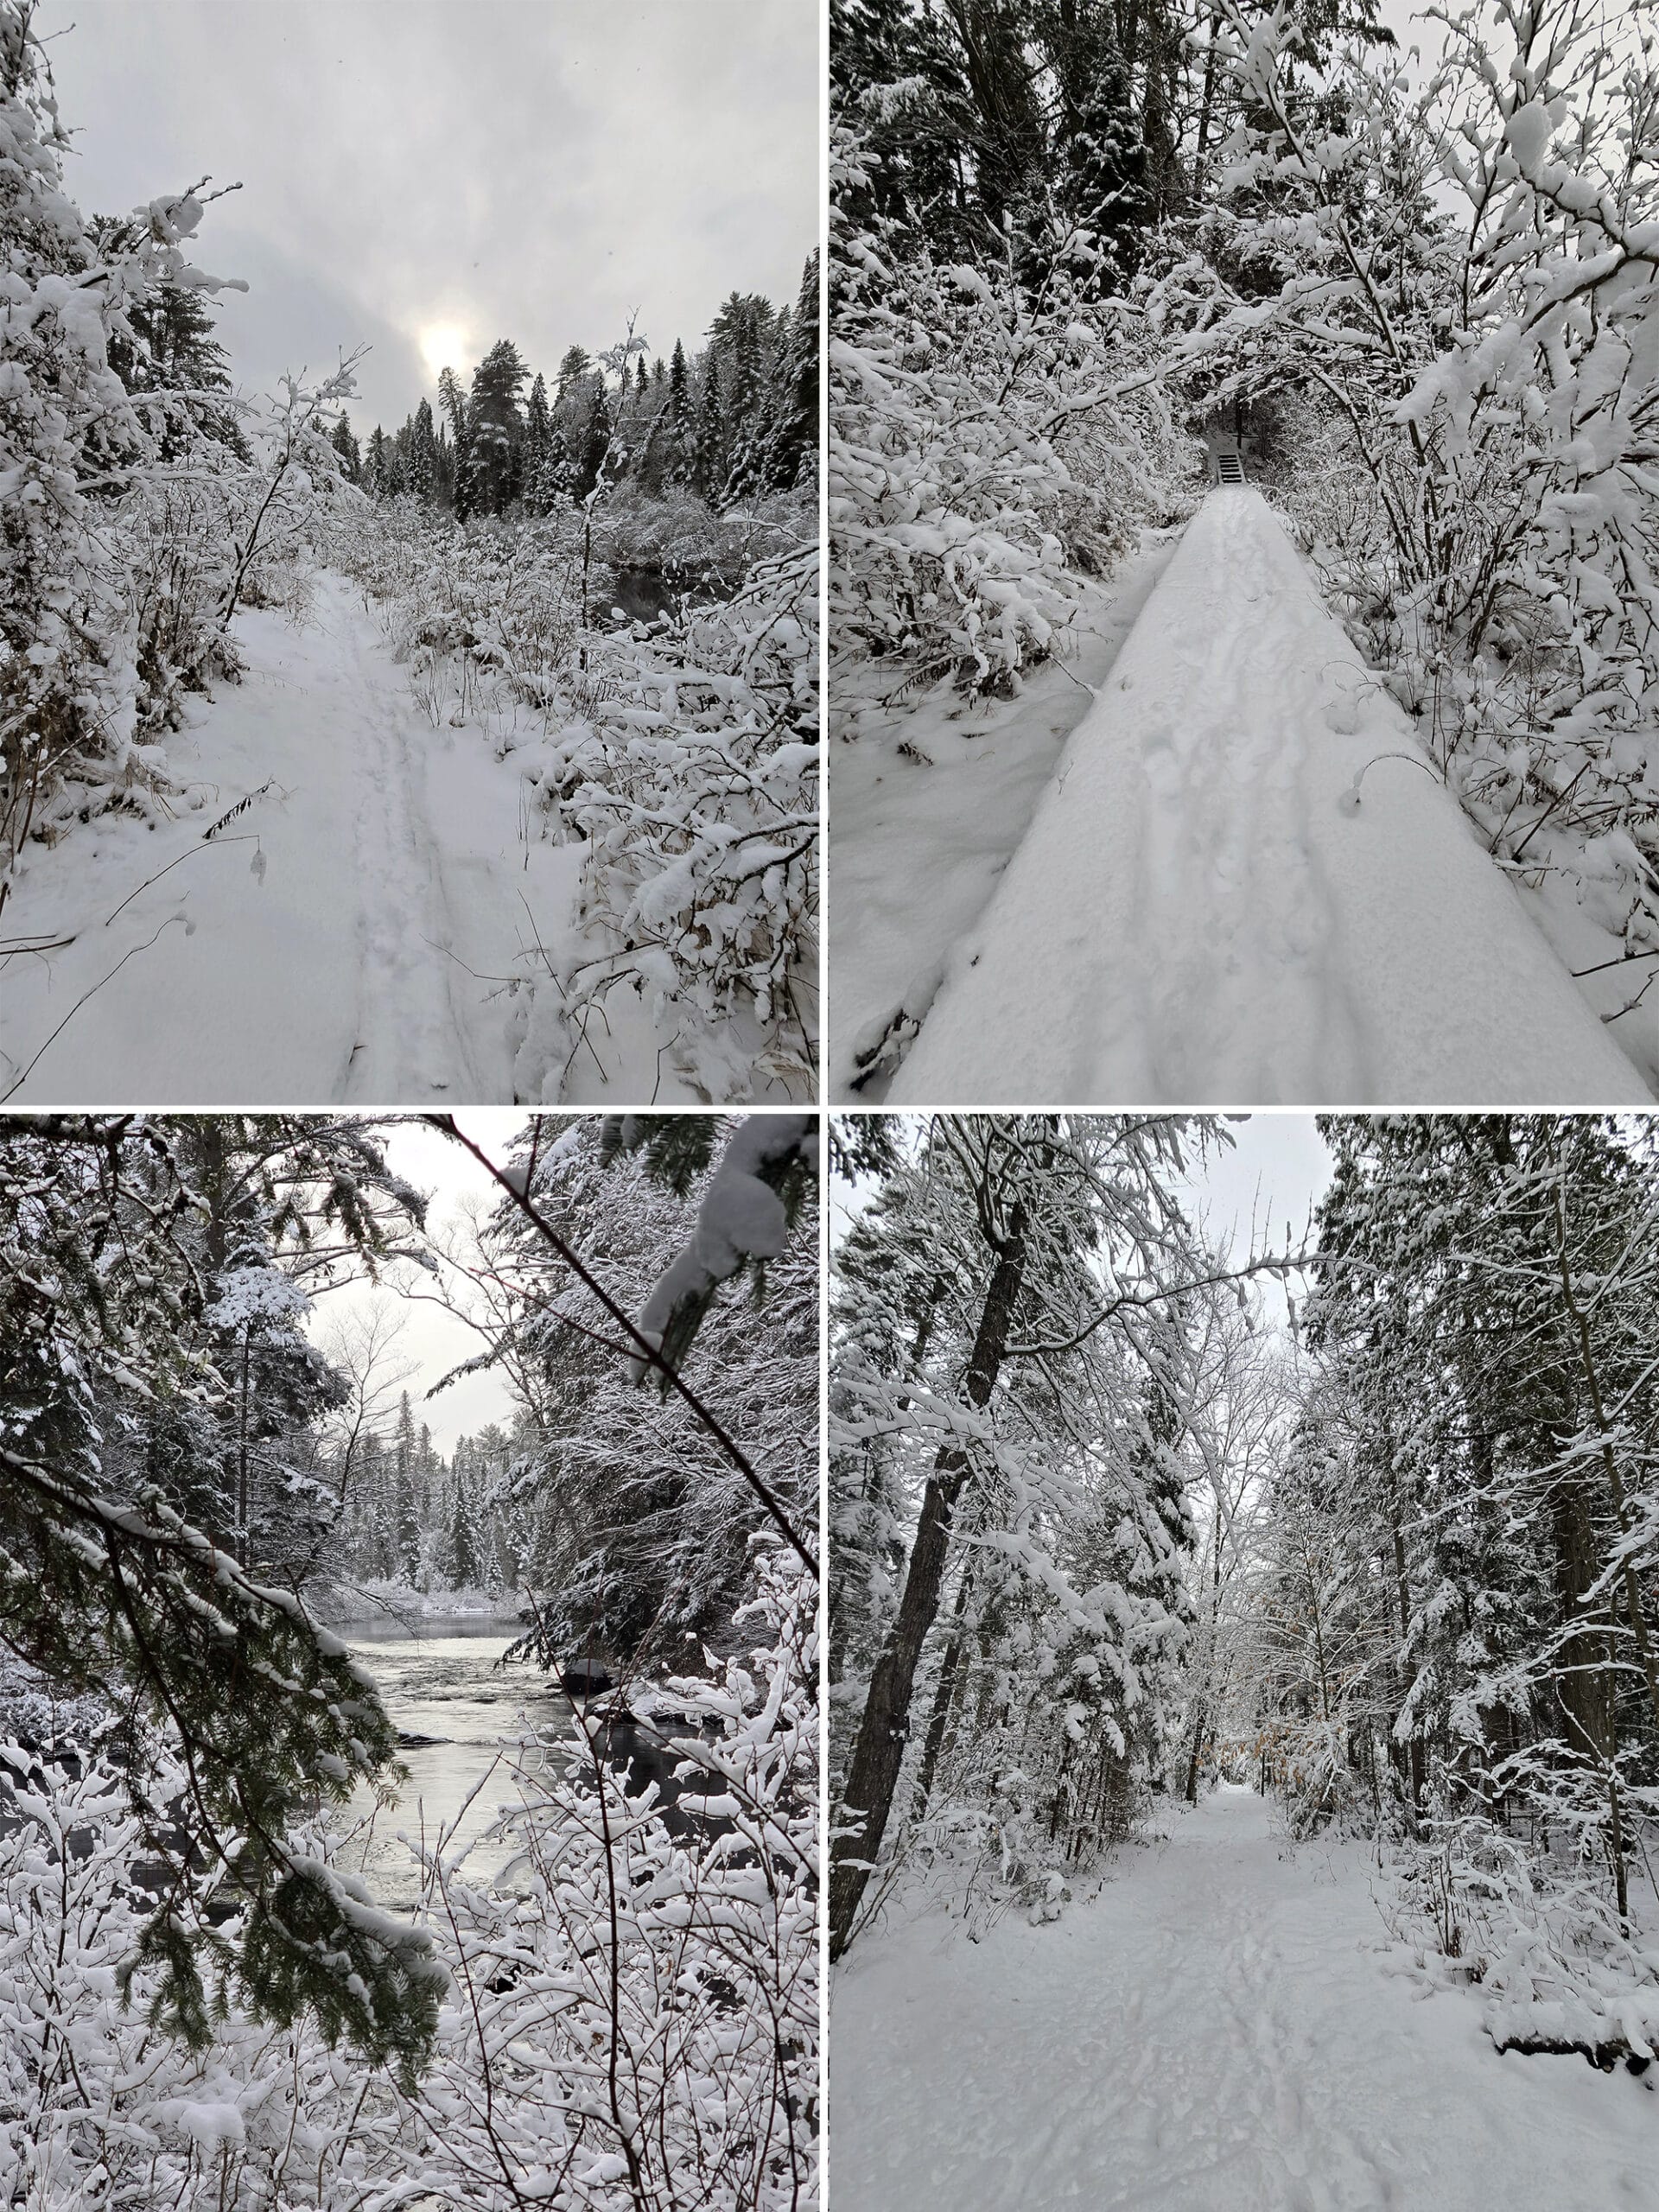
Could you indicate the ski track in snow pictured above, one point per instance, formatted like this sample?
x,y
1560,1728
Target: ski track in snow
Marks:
x,y
408,1024
393,864
1216,2032
1193,918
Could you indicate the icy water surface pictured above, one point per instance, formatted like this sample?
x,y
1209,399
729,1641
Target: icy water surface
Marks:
x,y
446,1683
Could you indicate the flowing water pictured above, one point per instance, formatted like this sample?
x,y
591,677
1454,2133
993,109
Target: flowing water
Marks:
x,y
445,1684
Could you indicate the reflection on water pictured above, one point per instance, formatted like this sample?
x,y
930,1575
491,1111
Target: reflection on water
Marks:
x,y
446,1684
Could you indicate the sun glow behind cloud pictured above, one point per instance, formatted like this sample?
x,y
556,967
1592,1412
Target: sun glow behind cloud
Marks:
x,y
443,345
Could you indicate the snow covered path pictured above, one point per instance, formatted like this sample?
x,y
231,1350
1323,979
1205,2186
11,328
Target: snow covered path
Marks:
x,y
1216,2033
1194,916
317,949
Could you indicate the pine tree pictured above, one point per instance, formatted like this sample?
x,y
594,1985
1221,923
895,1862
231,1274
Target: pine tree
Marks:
x,y
708,438
538,449
173,348
453,401
375,469
682,463
595,441
495,430
140,1298
351,458
789,453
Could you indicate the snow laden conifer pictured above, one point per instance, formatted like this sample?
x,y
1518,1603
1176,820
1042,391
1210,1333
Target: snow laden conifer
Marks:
x,y
72,442
642,1525
1460,1551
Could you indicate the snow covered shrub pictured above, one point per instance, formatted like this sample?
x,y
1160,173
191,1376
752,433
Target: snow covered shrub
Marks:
x,y
680,536
1534,1928
692,777
672,1983
135,518
487,615
986,443
1461,282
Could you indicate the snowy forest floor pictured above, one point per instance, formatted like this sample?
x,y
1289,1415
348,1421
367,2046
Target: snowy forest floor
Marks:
x,y
344,939
1227,2023
1147,877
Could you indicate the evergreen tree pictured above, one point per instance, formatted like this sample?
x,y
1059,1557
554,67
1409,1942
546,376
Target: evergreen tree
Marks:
x,y
173,348
351,458
453,401
422,467
709,437
148,1280
495,430
376,469
596,440
681,464
538,449
790,449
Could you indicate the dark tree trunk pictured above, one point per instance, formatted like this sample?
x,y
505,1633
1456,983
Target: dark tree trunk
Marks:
x,y
944,1696
879,1750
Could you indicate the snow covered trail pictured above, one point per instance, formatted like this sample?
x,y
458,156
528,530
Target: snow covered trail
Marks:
x,y
1217,2032
316,949
1194,916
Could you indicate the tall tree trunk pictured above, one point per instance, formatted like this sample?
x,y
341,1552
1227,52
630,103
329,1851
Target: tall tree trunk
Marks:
x,y
944,1696
879,1750
242,1545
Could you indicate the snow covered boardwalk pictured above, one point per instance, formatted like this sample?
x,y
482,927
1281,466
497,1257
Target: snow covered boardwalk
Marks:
x,y
1195,915
1217,2029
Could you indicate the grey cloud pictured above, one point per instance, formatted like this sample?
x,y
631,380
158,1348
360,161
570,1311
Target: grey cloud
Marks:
x,y
531,169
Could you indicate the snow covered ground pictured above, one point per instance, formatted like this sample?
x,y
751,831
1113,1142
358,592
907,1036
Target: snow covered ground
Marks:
x,y
928,805
1198,913
345,939
1225,2025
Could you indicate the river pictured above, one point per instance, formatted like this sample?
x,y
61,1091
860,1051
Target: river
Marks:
x,y
445,1683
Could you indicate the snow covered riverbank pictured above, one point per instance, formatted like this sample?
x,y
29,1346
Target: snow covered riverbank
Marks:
x,y
1226,2024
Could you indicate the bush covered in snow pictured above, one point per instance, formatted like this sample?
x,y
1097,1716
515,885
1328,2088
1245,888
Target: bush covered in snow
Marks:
x,y
134,516
989,444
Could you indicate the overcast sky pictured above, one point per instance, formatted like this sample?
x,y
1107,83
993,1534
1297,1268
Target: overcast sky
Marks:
x,y
532,169
431,1339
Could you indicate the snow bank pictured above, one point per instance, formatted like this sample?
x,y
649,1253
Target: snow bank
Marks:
x,y
1200,913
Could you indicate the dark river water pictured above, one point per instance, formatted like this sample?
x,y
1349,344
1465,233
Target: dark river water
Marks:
x,y
446,1684
641,595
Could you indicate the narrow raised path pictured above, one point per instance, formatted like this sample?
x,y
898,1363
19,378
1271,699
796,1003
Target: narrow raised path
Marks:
x,y
1217,2032
1198,916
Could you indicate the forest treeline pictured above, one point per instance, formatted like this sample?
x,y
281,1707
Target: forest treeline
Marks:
x,y
1105,1531
1073,247
736,420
